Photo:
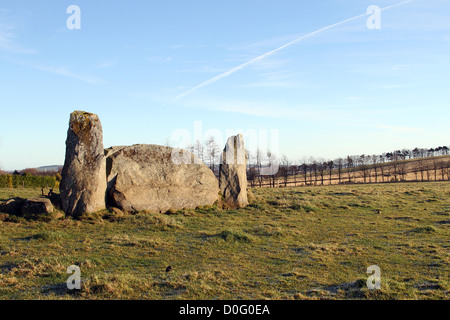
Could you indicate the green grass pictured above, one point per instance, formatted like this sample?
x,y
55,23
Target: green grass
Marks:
x,y
27,193
290,243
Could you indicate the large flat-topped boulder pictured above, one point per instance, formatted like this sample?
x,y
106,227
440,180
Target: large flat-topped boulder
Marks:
x,y
147,177
37,206
233,173
83,184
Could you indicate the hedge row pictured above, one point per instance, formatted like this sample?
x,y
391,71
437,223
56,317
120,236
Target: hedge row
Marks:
x,y
27,181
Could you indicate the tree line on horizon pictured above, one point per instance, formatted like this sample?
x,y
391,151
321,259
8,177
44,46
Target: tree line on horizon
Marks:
x,y
30,178
385,167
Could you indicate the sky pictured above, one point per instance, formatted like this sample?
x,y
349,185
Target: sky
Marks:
x,y
301,78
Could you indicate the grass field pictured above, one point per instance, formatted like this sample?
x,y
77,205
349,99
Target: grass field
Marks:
x,y
290,243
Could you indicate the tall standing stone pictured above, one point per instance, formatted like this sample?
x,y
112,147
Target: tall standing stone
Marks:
x,y
83,184
233,173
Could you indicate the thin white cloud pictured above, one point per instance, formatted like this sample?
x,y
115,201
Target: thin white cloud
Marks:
x,y
8,43
61,71
107,64
67,73
265,43
276,79
269,64
267,54
284,111
8,37
159,59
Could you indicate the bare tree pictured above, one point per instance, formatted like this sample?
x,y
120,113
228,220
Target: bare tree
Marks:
x,y
295,169
259,160
199,150
314,168
349,165
382,170
427,170
330,167
340,165
251,176
363,167
304,169
374,159
416,169
321,167
421,165
442,166
402,170
212,151
284,169
447,169
369,168
407,154
423,152
271,160
435,166
396,157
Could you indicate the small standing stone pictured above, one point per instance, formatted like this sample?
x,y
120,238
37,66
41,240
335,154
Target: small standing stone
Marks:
x,y
233,173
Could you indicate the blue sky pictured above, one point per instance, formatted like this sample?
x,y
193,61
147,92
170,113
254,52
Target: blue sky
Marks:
x,y
346,90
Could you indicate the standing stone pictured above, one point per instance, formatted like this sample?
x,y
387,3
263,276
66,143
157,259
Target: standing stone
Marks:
x,y
148,178
83,184
233,173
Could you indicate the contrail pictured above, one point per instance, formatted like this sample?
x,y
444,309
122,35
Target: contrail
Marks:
x,y
261,57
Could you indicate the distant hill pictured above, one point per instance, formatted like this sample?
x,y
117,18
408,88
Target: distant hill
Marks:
x,y
49,168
